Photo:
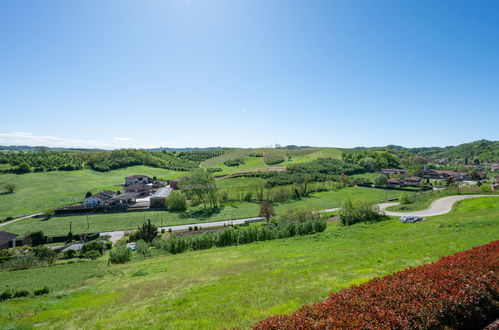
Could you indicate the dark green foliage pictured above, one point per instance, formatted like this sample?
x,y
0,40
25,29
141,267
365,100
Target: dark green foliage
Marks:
x,y
147,232
273,158
42,291
355,211
70,254
371,160
142,248
140,272
20,293
6,295
70,237
233,162
98,246
38,238
300,214
23,261
120,254
44,254
92,254
176,201
200,155
322,169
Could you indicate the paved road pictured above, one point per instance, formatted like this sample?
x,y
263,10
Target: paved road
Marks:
x,y
440,206
18,219
117,235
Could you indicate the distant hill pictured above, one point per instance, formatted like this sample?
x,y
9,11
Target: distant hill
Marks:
x,y
466,153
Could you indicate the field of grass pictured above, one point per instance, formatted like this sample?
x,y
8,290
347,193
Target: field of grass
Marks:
x,y
256,163
237,286
238,210
38,192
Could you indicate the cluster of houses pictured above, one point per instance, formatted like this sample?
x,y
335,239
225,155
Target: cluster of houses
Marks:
x,y
139,191
397,177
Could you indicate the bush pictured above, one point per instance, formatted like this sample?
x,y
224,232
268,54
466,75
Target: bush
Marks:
x,y
98,246
147,232
176,201
44,254
38,238
233,162
355,211
109,245
6,295
299,214
120,254
23,261
70,254
20,293
42,291
91,254
140,273
142,248
459,291
405,199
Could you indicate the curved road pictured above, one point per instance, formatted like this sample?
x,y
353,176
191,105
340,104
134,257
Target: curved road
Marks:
x,y
440,206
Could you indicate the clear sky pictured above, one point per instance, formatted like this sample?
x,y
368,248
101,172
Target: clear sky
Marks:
x,y
93,73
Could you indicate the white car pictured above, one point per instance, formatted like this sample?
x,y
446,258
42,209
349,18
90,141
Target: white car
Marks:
x,y
131,246
410,219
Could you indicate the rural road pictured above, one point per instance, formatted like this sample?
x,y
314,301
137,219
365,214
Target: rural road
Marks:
x,y
18,219
440,206
117,235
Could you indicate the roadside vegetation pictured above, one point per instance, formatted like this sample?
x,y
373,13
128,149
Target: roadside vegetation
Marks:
x,y
279,276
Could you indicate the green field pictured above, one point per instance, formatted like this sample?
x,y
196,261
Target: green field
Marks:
x,y
237,286
39,192
257,163
237,210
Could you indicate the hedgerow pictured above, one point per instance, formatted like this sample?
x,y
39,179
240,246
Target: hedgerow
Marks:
x,y
231,236
460,291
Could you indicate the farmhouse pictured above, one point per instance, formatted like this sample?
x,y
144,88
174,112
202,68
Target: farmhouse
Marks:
x,y
6,238
140,188
135,179
174,183
158,199
442,175
413,181
394,182
99,199
389,171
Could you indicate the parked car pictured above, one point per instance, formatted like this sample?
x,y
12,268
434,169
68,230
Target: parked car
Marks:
x,y
131,246
410,219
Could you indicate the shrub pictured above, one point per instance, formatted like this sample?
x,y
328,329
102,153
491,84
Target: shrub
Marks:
x,y
20,293
23,261
460,291
405,199
142,248
92,254
38,238
299,214
140,272
120,254
355,211
146,232
272,158
109,245
5,295
93,246
42,291
233,162
176,201
70,254
44,254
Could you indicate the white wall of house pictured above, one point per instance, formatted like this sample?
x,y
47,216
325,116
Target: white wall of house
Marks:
x,y
131,181
92,201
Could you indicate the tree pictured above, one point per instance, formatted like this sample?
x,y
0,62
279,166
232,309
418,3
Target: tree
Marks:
x,y
88,194
301,182
146,232
380,180
10,188
266,211
200,183
142,248
23,168
354,211
176,201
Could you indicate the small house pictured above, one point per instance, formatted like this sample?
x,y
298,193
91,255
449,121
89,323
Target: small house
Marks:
x,y
393,182
390,171
413,181
99,199
140,188
6,238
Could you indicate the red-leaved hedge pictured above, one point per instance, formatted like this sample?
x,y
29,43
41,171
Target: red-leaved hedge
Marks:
x,y
459,291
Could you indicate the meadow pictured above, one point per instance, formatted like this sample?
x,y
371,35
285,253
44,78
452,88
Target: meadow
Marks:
x,y
238,286
233,210
40,192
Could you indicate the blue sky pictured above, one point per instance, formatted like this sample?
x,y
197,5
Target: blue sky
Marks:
x,y
250,73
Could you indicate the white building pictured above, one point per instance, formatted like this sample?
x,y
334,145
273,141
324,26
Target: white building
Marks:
x,y
99,199
134,179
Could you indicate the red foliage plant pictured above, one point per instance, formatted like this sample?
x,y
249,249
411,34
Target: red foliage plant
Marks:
x,y
459,291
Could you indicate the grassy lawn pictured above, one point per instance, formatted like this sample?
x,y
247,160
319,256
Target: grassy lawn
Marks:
x,y
38,192
239,210
237,286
